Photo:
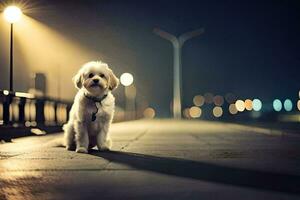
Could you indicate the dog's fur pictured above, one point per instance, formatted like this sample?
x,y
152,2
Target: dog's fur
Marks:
x,y
81,133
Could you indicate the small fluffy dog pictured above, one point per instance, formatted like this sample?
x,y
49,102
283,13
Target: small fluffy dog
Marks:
x,y
93,108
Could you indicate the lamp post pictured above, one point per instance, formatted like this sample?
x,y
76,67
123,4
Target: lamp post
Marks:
x,y
12,14
177,45
126,80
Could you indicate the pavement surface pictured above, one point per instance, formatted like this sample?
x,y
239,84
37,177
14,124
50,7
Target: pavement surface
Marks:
x,y
159,159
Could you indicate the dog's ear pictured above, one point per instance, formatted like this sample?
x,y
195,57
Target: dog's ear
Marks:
x,y
77,80
113,80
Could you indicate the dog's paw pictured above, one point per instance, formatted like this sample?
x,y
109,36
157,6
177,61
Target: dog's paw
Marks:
x,y
69,148
106,146
81,150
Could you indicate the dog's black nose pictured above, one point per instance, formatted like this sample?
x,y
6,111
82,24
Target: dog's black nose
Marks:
x,y
96,80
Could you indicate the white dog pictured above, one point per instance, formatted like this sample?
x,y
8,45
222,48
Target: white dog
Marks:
x,y
93,108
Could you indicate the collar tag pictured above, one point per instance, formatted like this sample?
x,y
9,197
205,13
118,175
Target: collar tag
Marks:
x,y
94,116
98,103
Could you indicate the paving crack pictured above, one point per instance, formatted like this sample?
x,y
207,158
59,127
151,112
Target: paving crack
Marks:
x,y
134,140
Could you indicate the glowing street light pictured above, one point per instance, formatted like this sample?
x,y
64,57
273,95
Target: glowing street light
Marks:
x,y
12,14
126,80
177,45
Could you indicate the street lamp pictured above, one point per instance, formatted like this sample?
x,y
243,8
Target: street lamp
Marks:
x,y
126,80
177,45
12,14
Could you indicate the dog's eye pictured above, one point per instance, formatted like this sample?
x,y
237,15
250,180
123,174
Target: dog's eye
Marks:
x,y
91,75
102,75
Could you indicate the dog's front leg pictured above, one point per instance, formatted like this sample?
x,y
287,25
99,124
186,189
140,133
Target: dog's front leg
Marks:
x,y
103,140
82,138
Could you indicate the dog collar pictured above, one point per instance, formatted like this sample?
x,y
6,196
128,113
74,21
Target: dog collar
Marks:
x,y
97,101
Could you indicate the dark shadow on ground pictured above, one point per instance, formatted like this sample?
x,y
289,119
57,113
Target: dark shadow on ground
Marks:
x,y
206,172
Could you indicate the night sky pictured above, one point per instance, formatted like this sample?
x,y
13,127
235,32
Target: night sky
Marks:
x,y
250,48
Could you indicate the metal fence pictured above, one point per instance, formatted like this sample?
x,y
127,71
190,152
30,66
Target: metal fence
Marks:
x,y
24,111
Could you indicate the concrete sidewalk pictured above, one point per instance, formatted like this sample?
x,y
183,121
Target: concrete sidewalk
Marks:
x,y
157,160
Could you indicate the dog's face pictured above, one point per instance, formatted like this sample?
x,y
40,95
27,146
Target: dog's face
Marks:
x,y
95,78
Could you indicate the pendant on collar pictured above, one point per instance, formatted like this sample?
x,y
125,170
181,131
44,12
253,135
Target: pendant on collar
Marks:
x,y
94,114
98,103
94,117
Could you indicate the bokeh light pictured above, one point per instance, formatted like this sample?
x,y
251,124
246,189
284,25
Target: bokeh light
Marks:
x,y
49,113
195,112
12,14
198,100
256,104
208,98
149,113
217,111
298,105
240,105
248,104
232,109
218,100
1,113
126,79
6,92
288,105
277,105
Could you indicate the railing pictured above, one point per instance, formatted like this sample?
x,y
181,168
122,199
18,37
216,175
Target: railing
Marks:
x,y
23,111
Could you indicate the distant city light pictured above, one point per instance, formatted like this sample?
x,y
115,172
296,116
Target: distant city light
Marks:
x,y
126,79
240,105
195,112
277,105
232,109
298,105
208,98
5,92
12,14
218,100
217,111
248,104
256,104
198,100
1,113
149,113
288,105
